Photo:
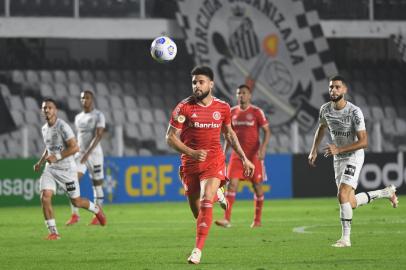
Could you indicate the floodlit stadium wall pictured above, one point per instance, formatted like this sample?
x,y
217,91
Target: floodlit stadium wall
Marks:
x,y
132,180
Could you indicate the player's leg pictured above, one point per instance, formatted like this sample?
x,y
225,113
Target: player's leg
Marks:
x,y
95,166
231,192
258,204
208,191
389,192
48,188
194,203
346,199
75,216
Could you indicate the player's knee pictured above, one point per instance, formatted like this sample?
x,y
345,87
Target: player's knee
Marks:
x,y
46,196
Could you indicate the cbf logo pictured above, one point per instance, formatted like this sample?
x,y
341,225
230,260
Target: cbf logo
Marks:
x,y
111,180
268,45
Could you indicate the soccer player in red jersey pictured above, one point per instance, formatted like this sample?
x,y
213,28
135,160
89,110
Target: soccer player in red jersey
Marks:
x,y
194,130
247,120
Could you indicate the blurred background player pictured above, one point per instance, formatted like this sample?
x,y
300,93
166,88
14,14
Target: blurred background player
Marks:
x,y
90,125
194,130
60,169
247,120
346,124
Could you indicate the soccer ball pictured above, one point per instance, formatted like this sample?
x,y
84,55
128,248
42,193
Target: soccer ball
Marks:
x,y
163,49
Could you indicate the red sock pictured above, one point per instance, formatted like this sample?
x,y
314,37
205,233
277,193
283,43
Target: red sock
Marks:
x,y
259,202
203,222
230,196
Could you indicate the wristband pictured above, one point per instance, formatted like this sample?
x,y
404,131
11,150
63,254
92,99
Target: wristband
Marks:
x,y
58,156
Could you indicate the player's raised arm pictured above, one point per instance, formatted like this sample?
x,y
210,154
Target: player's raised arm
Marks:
x,y
172,139
232,140
318,136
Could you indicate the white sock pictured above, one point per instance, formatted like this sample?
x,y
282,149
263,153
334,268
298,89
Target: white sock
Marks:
x,y
98,195
51,225
74,209
346,218
362,198
93,208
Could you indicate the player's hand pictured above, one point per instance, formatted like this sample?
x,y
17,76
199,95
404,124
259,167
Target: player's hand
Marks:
x,y
199,155
248,167
51,159
312,159
84,158
331,150
261,154
37,167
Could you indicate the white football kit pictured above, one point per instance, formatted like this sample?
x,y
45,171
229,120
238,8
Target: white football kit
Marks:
x,y
63,172
343,126
86,125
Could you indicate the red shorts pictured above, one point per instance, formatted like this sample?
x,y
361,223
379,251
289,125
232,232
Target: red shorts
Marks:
x,y
191,181
235,170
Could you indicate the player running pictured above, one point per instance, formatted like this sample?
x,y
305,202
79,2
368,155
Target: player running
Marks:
x,y
247,120
90,125
60,168
346,125
194,130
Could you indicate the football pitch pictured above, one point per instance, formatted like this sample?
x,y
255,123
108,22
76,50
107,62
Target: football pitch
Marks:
x,y
296,234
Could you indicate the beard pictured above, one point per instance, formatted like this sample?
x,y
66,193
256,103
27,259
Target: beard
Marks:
x,y
337,98
202,96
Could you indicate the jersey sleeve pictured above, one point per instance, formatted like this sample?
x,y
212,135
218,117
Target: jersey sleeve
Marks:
x,y
261,118
66,131
101,120
322,119
227,115
178,116
358,119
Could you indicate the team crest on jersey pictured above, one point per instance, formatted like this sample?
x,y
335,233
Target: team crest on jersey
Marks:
x,y
216,115
181,119
250,116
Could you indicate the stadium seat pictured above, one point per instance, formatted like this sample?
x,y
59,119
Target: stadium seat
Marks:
x,y
377,113
86,86
129,88
100,76
87,76
60,76
400,124
118,116
101,89
133,116
32,117
390,112
116,102
108,117
31,104
62,115
13,148
115,88
131,131
73,76
128,76
157,101
46,90
17,76
160,131
144,152
114,75
146,116
17,117
74,89
160,116
4,90
146,131
74,104
32,77
130,152
162,146
102,103
61,91
46,76
130,103
16,102
143,102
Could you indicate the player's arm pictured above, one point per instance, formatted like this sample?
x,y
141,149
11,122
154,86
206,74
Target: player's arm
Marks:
x,y
172,139
71,148
318,137
266,135
96,139
332,149
232,140
41,161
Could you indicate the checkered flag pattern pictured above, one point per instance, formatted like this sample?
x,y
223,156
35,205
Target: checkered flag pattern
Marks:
x,y
314,44
400,43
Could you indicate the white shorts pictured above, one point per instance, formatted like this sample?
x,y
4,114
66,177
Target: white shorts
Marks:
x,y
94,164
66,179
347,171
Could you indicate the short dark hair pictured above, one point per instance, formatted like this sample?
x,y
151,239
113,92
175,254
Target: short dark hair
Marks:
x,y
338,78
48,99
88,91
203,70
244,86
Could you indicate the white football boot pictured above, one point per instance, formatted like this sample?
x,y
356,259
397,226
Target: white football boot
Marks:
x,y
194,258
341,243
390,192
222,199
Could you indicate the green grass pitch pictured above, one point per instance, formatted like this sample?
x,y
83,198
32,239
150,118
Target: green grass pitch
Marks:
x,y
161,236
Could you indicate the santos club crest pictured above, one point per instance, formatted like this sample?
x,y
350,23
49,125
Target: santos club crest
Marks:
x,y
276,47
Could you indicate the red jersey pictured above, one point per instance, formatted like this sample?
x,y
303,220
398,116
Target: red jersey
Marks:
x,y
246,124
201,129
